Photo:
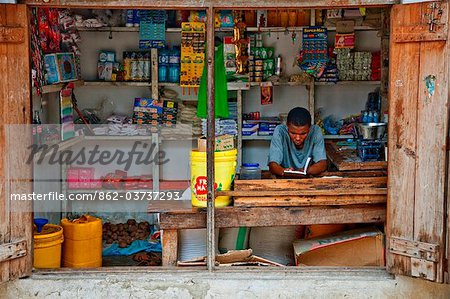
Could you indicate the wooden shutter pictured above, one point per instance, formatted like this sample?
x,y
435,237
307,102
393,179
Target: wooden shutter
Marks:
x,y
15,216
418,129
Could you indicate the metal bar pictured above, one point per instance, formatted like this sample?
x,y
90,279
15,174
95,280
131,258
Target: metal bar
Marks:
x,y
210,139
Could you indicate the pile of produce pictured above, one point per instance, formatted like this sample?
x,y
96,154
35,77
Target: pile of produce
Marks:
x,y
125,233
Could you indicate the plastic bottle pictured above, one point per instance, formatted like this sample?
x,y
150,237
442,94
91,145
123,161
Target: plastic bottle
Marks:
x,y
136,18
370,117
130,14
126,66
174,73
141,64
365,118
250,171
146,66
134,67
162,73
376,117
37,128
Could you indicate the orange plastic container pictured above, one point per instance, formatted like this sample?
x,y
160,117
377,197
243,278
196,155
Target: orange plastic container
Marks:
x,y
82,246
47,247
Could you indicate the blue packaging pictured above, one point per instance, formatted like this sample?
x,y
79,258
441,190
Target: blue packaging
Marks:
x,y
136,17
162,72
51,69
130,15
174,73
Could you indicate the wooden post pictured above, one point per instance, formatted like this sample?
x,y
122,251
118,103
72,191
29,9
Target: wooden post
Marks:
x,y
169,247
239,125
210,138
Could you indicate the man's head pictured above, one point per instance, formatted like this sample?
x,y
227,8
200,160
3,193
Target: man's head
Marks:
x,y
298,124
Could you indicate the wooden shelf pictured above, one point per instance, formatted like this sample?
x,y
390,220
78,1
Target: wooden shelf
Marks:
x,y
338,136
117,138
267,138
249,29
119,29
57,87
117,84
348,83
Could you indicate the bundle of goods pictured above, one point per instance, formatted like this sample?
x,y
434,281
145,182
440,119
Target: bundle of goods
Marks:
x,y
188,116
119,180
169,65
169,114
192,53
313,57
82,178
222,127
240,43
344,62
102,18
152,30
330,74
136,66
361,66
121,125
375,67
147,112
261,62
232,110
303,78
261,127
125,233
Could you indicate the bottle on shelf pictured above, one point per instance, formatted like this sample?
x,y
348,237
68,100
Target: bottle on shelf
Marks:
x,y
37,128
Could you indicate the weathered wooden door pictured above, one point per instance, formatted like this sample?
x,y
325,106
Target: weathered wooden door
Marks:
x,y
418,129
15,216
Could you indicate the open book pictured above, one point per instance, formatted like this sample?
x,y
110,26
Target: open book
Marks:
x,y
308,161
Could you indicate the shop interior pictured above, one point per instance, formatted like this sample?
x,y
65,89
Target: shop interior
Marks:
x,y
134,79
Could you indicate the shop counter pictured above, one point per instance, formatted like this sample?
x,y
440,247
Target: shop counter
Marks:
x,y
351,197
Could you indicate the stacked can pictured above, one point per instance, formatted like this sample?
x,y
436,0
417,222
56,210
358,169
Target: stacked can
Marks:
x,y
261,60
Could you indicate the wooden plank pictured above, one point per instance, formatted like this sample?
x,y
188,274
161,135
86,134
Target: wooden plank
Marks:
x,y
301,201
17,110
4,204
423,269
416,29
10,251
190,4
169,247
421,250
154,78
312,184
432,132
325,192
11,34
403,86
345,160
275,216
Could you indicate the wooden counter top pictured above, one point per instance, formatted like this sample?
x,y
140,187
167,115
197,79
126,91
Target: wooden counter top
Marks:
x,y
347,159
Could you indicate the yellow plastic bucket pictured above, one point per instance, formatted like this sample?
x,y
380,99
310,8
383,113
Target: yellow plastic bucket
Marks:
x,y
83,242
47,247
224,171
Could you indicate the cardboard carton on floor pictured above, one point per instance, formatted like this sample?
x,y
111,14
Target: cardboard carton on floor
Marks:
x,y
353,248
223,143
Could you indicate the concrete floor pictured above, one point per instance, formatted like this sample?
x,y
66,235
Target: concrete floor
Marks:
x,y
226,284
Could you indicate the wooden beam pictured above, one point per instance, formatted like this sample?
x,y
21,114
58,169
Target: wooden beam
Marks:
x,y
326,192
304,201
13,250
190,4
11,34
312,184
274,216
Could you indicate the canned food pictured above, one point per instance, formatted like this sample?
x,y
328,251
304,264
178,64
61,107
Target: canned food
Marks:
x,y
259,62
259,68
258,79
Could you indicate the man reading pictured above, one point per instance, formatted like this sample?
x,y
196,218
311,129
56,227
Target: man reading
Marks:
x,y
295,143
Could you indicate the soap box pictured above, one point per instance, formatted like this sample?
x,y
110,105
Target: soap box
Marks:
x,y
60,67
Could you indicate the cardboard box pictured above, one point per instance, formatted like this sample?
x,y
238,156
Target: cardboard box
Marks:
x,y
60,67
223,143
353,248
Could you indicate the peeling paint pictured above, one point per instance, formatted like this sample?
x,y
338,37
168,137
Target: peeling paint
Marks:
x,y
430,83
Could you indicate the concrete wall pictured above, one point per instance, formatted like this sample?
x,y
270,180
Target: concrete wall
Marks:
x,y
188,284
